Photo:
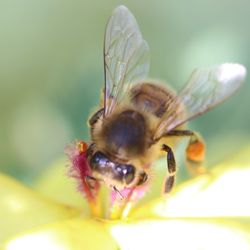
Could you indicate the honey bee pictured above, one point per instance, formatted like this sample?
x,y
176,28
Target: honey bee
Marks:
x,y
139,118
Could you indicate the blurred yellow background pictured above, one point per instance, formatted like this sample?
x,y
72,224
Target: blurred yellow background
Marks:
x,y
51,70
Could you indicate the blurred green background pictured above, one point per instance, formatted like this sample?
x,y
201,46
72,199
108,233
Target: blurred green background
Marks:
x,y
51,70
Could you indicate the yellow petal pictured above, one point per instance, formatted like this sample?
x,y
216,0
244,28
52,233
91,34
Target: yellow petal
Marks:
x,y
74,234
57,185
182,234
222,193
22,209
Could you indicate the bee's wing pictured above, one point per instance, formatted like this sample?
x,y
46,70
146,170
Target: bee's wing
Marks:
x,y
205,89
126,57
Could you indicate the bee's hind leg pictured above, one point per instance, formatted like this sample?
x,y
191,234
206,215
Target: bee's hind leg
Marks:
x,y
195,155
169,183
195,151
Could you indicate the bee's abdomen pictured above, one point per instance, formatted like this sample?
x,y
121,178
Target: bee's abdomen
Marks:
x,y
126,131
152,98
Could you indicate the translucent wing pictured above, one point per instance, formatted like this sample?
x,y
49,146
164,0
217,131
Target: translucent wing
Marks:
x,y
206,88
126,57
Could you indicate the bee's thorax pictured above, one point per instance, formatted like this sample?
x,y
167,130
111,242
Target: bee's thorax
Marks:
x,y
125,133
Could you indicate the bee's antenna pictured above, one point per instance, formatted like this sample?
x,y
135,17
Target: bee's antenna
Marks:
x,y
118,192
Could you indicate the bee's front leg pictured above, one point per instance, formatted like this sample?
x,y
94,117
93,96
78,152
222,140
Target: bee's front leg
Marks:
x,y
95,117
169,183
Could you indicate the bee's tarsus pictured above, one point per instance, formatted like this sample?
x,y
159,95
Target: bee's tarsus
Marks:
x,y
169,183
171,164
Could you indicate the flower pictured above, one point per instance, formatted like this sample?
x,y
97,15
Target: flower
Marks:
x,y
211,211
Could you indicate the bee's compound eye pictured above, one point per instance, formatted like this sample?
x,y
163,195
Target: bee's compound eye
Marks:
x,y
98,160
126,172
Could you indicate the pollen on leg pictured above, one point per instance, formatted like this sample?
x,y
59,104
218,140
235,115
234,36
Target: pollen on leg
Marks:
x,y
196,151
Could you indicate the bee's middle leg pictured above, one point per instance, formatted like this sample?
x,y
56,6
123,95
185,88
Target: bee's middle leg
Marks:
x,y
195,151
171,164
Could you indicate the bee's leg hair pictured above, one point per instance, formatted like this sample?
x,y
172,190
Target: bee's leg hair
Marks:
x,y
195,151
169,183
95,117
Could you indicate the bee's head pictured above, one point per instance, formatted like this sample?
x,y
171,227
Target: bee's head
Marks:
x,y
123,174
